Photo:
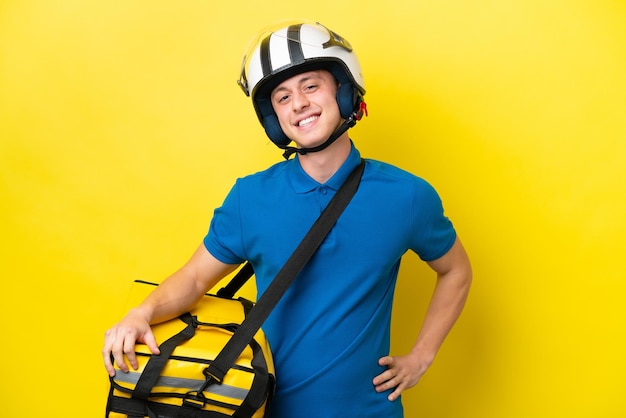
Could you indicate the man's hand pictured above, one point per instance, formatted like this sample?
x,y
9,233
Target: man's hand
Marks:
x,y
403,372
120,340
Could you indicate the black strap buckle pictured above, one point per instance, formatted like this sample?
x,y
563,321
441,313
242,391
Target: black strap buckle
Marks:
x,y
194,400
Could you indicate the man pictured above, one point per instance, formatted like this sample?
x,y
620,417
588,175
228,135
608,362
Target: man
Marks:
x,y
330,332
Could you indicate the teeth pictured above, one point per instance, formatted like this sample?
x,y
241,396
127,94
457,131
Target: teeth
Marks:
x,y
307,121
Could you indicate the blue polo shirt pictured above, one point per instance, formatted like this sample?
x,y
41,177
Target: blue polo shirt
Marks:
x,y
333,324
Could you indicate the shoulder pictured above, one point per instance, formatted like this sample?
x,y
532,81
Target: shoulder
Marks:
x,y
388,182
274,173
388,173
275,184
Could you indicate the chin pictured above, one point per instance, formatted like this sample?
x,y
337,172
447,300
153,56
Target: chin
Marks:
x,y
311,141
309,144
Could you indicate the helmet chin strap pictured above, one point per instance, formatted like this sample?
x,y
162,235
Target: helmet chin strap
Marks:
x,y
347,124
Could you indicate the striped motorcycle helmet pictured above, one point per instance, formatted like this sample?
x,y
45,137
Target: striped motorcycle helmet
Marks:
x,y
284,50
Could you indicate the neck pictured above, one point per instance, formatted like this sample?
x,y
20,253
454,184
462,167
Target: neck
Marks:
x,y
321,165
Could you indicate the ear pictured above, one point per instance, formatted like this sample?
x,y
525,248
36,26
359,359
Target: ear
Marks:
x,y
274,131
347,99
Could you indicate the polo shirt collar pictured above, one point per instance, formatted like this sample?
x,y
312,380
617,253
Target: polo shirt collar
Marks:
x,y
303,183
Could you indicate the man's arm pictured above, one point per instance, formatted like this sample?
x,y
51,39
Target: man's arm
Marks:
x,y
454,277
176,295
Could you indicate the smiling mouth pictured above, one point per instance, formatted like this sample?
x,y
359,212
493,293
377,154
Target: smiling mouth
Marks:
x,y
305,122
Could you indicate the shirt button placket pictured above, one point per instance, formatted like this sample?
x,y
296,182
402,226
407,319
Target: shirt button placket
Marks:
x,y
323,197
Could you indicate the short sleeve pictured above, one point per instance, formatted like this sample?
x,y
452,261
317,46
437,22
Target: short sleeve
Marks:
x,y
224,238
432,232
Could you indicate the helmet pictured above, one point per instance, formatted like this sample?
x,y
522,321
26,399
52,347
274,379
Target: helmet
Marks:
x,y
287,49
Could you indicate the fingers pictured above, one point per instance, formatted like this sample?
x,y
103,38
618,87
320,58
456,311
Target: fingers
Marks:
x,y
120,341
395,394
113,351
397,377
387,379
119,349
129,351
150,341
385,376
386,361
106,354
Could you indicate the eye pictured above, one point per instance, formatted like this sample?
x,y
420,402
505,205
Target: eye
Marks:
x,y
310,87
281,98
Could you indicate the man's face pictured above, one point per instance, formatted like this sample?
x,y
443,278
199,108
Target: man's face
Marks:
x,y
306,107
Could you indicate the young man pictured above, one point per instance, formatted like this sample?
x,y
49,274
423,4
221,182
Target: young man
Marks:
x,y
330,332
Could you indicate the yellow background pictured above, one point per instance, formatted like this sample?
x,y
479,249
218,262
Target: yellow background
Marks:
x,y
121,128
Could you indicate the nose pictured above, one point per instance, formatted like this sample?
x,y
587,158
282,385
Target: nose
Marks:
x,y
299,101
